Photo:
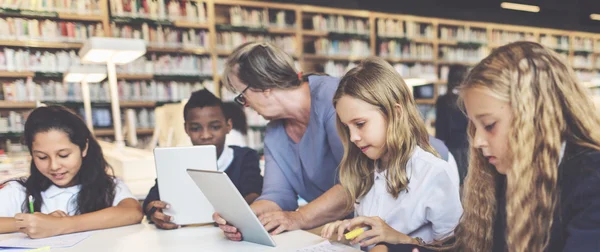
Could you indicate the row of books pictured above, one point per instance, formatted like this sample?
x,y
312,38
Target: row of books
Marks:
x,y
588,76
348,47
583,44
417,70
165,64
239,16
465,55
54,91
463,34
419,30
159,91
81,7
194,11
583,61
413,51
102,117
338,69
12,121
230,40
37,60
390,28
340,24
47,30
163,37
505,37
555,42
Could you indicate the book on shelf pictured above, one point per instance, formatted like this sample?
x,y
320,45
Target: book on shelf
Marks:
x,y
350,47
340,24
21,60
228,41
163,37
80,7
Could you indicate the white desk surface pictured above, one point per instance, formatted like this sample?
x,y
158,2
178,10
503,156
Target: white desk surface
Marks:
x,y
145,237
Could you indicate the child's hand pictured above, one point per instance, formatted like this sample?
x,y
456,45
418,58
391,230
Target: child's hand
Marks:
x,y
379,232
336,226
38,225
59,213
160,219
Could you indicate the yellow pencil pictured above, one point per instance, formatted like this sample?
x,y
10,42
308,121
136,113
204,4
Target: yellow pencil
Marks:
x,y
355,233
47,248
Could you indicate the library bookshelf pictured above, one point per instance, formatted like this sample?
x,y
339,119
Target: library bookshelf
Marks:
x,y
204,32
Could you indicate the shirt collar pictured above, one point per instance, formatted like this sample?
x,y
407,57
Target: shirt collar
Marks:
x,y
54,191
225,159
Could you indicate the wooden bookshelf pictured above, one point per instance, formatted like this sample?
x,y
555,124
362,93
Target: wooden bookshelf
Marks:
x,y
399,60
191,25
41,44
111,132
145,131
137,104
135,76
77,17
333,57
104,132
7,74
302,30
16,105
283,31
425,101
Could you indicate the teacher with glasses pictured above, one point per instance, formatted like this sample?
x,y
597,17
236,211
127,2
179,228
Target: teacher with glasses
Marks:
x,y
302,147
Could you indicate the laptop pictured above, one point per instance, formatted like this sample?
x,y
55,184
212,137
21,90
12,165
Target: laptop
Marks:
x,y
229,203
188,204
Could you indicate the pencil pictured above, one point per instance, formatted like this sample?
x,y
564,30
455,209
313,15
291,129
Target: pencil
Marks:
x,y
30,203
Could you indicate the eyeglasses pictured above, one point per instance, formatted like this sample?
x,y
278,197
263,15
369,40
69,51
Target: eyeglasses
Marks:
x,y
240,99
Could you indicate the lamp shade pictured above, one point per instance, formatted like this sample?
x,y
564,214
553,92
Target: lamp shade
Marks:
x,y
87,73
101,50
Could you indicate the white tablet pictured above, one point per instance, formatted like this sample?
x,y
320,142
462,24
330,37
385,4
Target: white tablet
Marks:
x,y
230,204
175,187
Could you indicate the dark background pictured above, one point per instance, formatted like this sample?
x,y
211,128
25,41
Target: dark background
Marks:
x,y
557,14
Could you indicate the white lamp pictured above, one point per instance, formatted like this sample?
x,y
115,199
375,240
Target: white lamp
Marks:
x,y
112,51
84,75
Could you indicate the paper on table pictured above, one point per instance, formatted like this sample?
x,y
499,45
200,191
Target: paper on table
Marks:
x,y
61,241
324,246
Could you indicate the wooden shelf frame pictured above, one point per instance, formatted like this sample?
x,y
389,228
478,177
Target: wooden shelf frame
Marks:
x,y
304,35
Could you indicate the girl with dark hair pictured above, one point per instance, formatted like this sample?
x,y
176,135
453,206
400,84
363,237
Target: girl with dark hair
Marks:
x,y
69,185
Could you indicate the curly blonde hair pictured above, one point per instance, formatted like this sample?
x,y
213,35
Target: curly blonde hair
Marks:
x,y
376,82
549,106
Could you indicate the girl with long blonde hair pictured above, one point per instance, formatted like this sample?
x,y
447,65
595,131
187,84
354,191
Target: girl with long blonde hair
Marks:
x,y
534,172
398,187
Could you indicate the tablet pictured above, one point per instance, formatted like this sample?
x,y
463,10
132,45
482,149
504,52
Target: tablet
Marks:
x,y
187,203
229,203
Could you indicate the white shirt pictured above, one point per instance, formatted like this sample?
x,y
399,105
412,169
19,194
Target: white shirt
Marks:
x,y
55,198
431,207
453,169
236,138
225,159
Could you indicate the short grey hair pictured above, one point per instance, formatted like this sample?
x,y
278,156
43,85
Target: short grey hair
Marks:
x,y
261,65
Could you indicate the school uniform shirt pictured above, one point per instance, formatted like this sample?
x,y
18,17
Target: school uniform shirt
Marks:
x,y
576,224
241,164
55,198
430,208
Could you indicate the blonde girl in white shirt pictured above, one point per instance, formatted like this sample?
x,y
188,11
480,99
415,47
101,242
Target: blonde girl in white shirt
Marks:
x,y
396,184
68,182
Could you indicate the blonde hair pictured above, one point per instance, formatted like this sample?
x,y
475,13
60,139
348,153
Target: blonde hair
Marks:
x,y
376,82
549,106
261,65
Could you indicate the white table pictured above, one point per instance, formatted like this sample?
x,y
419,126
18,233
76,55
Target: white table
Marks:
x,y
145,237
